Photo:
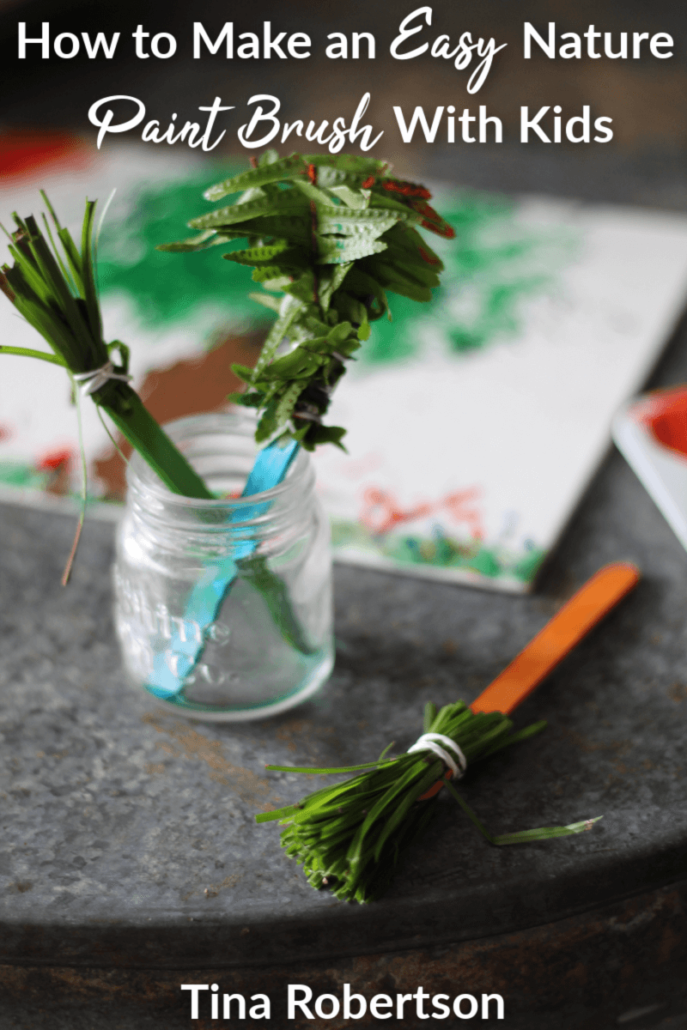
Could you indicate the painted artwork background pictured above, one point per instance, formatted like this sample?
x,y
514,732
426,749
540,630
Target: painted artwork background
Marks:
x,y
474,422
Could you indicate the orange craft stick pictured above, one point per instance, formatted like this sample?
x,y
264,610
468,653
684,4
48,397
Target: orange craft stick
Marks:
x,y
577,616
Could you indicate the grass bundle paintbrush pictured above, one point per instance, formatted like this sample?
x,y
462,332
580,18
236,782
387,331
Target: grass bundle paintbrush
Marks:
x,y
351,836
52,283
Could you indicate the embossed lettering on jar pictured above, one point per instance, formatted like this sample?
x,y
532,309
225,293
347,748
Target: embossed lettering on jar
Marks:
x,y
223,607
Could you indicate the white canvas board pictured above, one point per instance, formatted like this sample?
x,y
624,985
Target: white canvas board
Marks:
x,y
512,432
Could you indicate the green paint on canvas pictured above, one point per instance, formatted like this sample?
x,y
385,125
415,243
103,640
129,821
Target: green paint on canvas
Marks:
x,y
441,551
22,475
493,266
167,288
529,566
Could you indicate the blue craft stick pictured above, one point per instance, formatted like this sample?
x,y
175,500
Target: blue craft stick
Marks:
x,y
171,667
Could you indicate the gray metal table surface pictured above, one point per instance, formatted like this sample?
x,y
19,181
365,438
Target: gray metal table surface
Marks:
x,y
130,861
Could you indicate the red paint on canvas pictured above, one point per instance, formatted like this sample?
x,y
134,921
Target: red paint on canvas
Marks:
x,y
53,460
381,511
25,153
665,414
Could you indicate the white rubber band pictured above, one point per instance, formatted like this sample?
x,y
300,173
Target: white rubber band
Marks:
x,y
433,741
97,377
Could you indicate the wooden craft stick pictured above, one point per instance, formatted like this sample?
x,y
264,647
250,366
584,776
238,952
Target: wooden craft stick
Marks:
x,y
572,622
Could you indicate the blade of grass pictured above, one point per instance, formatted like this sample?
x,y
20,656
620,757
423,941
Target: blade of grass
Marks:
x,y
26,352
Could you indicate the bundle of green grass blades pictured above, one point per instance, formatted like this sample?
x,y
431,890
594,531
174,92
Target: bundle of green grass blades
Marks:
x,y
52,284
350,837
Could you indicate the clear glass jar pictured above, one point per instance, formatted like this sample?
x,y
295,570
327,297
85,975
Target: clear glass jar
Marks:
x,y
223,608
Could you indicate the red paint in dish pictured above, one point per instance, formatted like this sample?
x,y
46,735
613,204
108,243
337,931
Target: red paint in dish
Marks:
x,y
665,414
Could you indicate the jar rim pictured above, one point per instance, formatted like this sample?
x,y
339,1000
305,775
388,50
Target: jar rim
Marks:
x,y
237,422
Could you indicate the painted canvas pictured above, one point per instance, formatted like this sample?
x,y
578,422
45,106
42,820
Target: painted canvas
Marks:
x,y
474,422
500,399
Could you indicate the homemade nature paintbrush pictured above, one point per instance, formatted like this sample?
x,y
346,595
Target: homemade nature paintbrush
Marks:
x,y
331,235
328,237
54,288
350,836
52,284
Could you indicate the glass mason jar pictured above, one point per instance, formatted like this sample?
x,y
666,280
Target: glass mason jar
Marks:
x,y
223,607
